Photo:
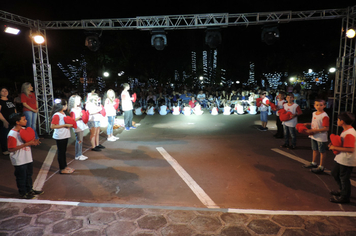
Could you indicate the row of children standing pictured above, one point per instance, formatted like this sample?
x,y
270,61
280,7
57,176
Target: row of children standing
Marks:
x,y
345,158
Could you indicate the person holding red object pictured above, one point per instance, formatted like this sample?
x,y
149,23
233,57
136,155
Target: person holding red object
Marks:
x,y
289,126
21,156
76,113
61,134
345,160
319,136
127,107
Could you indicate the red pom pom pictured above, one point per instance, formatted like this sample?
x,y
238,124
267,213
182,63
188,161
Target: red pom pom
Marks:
x,y
282,111
85,116
27,134
134,97
285,116
103,112
70,120
335,141
117,102
301,128
258,102
273,106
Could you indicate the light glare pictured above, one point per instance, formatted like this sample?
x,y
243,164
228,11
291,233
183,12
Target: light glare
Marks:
x,y
39,39
11,30
350,33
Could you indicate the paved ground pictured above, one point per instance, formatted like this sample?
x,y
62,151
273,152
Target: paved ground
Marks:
x,y
179,176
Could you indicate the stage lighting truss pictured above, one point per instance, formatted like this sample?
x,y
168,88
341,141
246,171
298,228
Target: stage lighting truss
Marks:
x,y
213,37
270,34
92,42
159,39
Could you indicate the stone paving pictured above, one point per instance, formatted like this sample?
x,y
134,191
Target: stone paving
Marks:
x,y
30,219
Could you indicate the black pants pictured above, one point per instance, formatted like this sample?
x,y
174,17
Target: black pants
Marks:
x,y
342,176
23,175
3,136
128,118
280,132
61,152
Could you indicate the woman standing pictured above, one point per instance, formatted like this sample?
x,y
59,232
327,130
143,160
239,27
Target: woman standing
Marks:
x,y
6,109
30,105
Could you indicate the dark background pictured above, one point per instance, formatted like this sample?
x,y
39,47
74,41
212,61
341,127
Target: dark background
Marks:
x,y
302,45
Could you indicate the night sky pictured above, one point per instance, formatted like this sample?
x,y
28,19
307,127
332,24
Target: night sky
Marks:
x,y
302,45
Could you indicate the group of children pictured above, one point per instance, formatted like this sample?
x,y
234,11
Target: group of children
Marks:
x,y
345,158
21,157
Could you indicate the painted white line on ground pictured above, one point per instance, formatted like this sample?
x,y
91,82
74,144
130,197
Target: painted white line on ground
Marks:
x,y
230,210
353,182
42,175
299,213
198,191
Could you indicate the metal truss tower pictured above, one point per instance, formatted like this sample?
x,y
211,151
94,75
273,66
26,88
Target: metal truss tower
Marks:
x,y
42,77
345,78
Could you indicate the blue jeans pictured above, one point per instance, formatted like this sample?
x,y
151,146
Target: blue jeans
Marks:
x,y
109,129
292,132
23,175
128,118
31,118
78,143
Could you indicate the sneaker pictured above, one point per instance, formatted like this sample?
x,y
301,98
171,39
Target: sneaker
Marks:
x,y
127,129
111,139
317,170
310,165
292,147
81,158
100,146
36,192
341,200
27,196
335,192
116,138
284,146
132,127
96,149
6,153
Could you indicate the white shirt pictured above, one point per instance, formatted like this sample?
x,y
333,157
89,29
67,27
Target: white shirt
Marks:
x,y
126,102
61,133
317,123
109,108
163,110
293,109
21,156
81,126
176,110
345,158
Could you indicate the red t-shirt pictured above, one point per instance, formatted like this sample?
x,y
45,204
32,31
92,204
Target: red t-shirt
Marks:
x,y
29,100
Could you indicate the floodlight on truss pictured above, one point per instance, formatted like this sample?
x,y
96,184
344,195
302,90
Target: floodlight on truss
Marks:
x,y
213,37
92,42
270,34
38,38
11,30
350,33
159,39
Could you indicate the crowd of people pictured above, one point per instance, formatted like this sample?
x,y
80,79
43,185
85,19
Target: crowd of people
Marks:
x,y
86,112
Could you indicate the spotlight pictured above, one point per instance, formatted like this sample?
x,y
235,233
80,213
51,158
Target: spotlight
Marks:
x,y
159,39
11,30
39,39
92,42
213,38
270,35
350,33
